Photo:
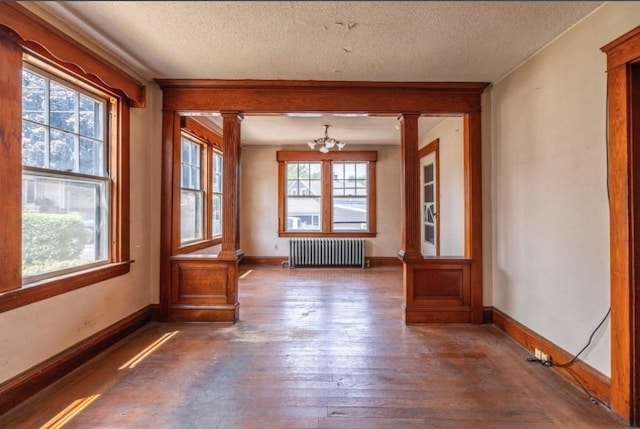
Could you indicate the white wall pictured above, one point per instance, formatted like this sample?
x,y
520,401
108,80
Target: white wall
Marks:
x,y
550,226
450,132
259,202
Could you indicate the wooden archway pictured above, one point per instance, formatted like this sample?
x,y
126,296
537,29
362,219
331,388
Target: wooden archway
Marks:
x,y
459,301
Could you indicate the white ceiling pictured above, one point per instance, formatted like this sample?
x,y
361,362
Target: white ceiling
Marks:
x,y
352,41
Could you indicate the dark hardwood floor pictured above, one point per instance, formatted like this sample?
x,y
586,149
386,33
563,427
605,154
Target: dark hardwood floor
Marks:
x,y
315,348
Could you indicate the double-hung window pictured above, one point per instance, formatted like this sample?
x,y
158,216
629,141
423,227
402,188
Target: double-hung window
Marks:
x,y
330,194
201,190
191,192
66,193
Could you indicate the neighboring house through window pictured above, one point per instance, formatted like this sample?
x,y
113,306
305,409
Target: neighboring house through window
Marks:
x,y
329,194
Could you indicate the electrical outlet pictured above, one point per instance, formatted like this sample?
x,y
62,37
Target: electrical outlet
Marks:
x,y
542,356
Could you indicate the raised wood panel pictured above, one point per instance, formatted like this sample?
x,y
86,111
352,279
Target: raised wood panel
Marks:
x,y
440,284
437,290
41,37
201,284
203,289
594,381
317,96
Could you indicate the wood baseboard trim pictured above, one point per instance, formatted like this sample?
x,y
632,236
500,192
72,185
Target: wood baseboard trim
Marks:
x,y
374,261
487,315
384,261
263,260
33,380
594,381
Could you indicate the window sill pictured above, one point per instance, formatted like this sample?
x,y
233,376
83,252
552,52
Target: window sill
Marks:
x,y
198,245
354,234
58,285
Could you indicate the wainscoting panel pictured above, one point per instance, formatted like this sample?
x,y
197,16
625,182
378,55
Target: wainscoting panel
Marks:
x,y
438,290
203,289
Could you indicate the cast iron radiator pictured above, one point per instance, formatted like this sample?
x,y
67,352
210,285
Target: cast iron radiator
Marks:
x,y
326,252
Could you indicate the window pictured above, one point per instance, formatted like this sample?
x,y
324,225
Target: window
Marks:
x,y
201,181
329,194
66,201
216,230
191,192
304,196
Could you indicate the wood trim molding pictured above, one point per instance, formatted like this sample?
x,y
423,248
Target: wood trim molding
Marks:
x,y
201,131
264,260
384,261
623,87
347,155
623,50
11,171
38,36
31,381
267,96
594,381
49,288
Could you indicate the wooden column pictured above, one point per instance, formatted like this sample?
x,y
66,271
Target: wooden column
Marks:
x,y
231,185
410,189
473,209
11,156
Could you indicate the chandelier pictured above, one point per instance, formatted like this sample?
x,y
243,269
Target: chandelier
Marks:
x,y
326,142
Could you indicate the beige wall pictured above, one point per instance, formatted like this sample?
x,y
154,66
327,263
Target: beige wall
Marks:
x,y
550,226
259,202
33,333
450,132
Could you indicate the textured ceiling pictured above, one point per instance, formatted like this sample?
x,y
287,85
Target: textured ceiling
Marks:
x,y
368,41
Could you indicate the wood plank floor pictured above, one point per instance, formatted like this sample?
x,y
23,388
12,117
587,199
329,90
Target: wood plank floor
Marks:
x,y
315,348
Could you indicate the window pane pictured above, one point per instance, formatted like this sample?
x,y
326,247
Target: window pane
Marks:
x,y
292,170
303,213
190,216
315,170
190,165
64,224
61,156
217,215
91,153
34,97
33,144
62,107
350,213
91,114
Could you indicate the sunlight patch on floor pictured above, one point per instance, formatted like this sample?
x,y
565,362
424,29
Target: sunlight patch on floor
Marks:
x,y
146,352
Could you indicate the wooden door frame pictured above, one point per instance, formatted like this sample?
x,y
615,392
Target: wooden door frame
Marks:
x,y
433,147
406,100
624,211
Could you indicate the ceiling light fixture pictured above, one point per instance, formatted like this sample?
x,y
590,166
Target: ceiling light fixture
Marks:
x,y
326,142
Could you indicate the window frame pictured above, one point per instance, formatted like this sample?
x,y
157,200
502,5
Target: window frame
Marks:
x,y
24,33
211,142
108,142
327,160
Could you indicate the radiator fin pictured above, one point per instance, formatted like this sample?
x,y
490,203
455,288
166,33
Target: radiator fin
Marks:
x,y
326,252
